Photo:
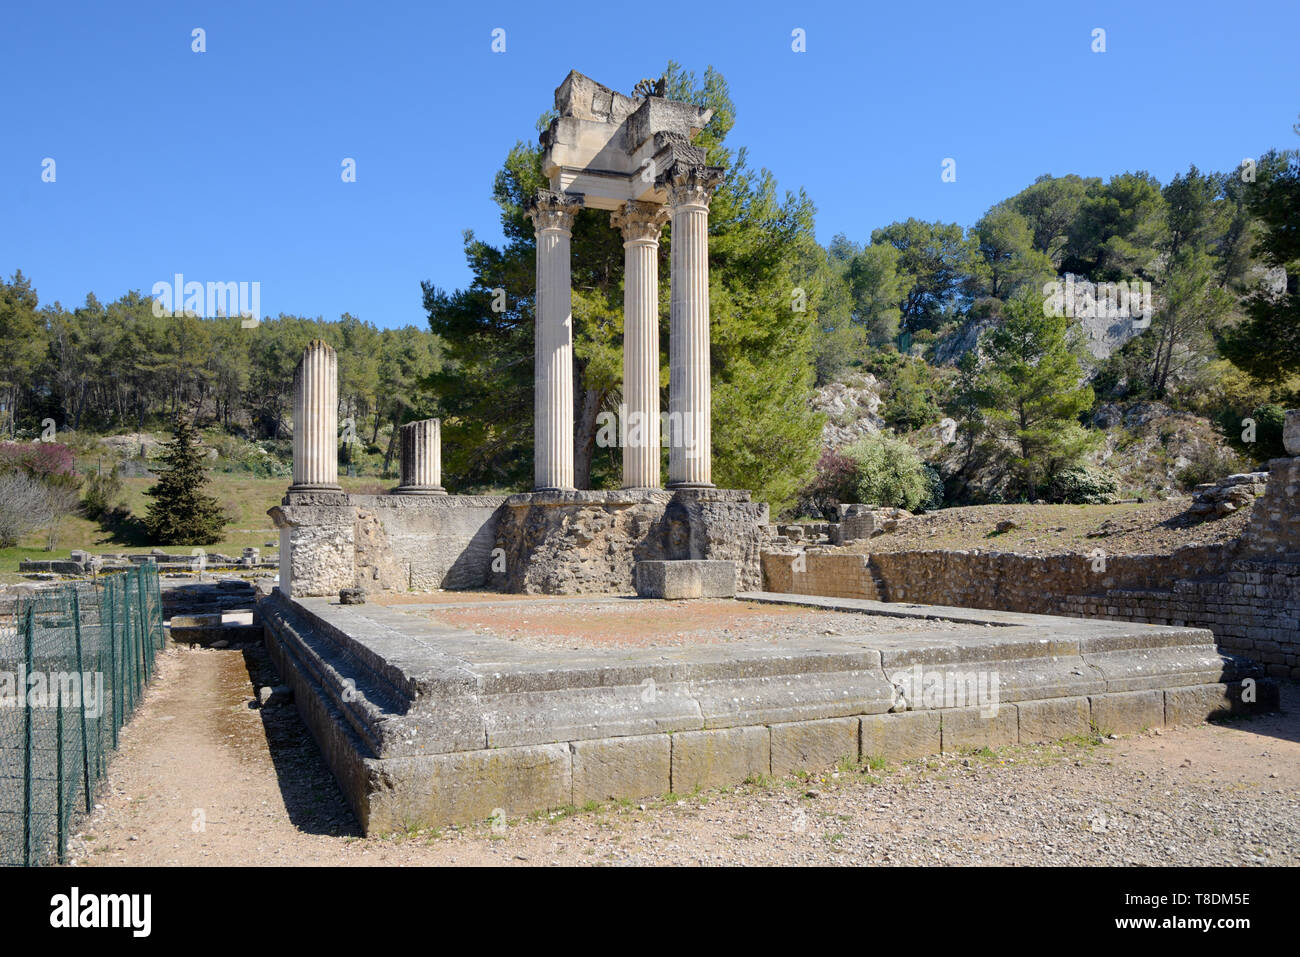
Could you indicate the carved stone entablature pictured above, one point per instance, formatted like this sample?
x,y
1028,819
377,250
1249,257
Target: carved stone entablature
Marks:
x,y
691,185
640,222
611,148
552,210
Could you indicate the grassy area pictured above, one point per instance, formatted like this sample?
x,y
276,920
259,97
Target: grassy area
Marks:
x,y
246,497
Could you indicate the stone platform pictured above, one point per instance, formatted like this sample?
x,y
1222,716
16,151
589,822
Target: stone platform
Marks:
x,y
426,722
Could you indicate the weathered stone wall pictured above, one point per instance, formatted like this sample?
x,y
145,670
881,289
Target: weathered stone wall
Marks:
x,y
385,542
1247,592
577,542
550,542
1274,529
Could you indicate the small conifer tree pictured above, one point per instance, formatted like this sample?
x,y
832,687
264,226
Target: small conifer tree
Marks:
x,y
181,514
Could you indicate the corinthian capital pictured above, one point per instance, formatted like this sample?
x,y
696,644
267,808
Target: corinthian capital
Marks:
x,y
640,221
552,210
691,185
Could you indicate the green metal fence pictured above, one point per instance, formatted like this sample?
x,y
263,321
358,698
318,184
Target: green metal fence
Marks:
x,y
74,661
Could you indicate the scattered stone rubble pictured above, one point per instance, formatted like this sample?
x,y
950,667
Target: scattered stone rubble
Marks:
x,y
1228,494
856,522
81,563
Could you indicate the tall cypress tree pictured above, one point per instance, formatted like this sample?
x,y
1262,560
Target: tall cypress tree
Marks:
x,y
181,514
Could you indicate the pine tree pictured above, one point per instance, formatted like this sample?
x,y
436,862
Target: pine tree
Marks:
x,y
1033,393
180,513
1267,343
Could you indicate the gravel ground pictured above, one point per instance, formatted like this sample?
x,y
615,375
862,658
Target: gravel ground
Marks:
x,y
630,623
198,753
1143,528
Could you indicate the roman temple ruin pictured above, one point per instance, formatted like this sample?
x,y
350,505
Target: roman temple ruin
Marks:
x,y
429,711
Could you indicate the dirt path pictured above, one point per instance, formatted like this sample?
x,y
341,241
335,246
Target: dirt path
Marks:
x,y
203,777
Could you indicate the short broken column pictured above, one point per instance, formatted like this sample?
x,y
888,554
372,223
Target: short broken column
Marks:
x,y
316,420
421,444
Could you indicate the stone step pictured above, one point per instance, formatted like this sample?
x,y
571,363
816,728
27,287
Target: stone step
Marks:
x,y
236,628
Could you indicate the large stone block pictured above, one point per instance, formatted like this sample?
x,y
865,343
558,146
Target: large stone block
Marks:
x,y
621,768
688,578
1128,711
969,728
1052,719
901,735
467,786
813,745
1206,702
727,756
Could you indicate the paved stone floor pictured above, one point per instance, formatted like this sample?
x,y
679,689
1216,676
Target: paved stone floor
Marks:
x,y
204,777
635,623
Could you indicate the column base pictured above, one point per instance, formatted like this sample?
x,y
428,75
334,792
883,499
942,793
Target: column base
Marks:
x,y
419,490
677,485
323,487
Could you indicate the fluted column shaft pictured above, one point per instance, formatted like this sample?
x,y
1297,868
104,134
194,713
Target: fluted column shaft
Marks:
x,y
422,458
640,224
316,419
689,391
552,216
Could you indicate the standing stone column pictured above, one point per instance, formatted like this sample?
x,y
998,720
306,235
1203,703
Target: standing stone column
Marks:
x,y
640,224
316,420
422,458
690,448
552,215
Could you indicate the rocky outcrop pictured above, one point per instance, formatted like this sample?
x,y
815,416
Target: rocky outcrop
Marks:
x,y
852,409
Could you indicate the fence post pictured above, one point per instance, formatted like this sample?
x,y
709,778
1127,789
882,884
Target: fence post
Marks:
x,y
27,739
143,674
109,591
81,679
60,834
146,627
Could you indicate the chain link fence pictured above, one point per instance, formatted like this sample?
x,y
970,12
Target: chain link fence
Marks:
x,y
74,661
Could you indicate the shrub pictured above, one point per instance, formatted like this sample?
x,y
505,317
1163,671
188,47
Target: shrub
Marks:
x,y
21,500
102,492
48,462
1082,485
835,481
889,472
913,400
935,497
1269,420
28,503
1207,463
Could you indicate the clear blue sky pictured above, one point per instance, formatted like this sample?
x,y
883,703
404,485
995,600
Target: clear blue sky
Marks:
x,y
225,165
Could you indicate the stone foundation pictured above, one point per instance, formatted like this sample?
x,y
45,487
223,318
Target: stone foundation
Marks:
x,y
562,543
537,542
425,724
